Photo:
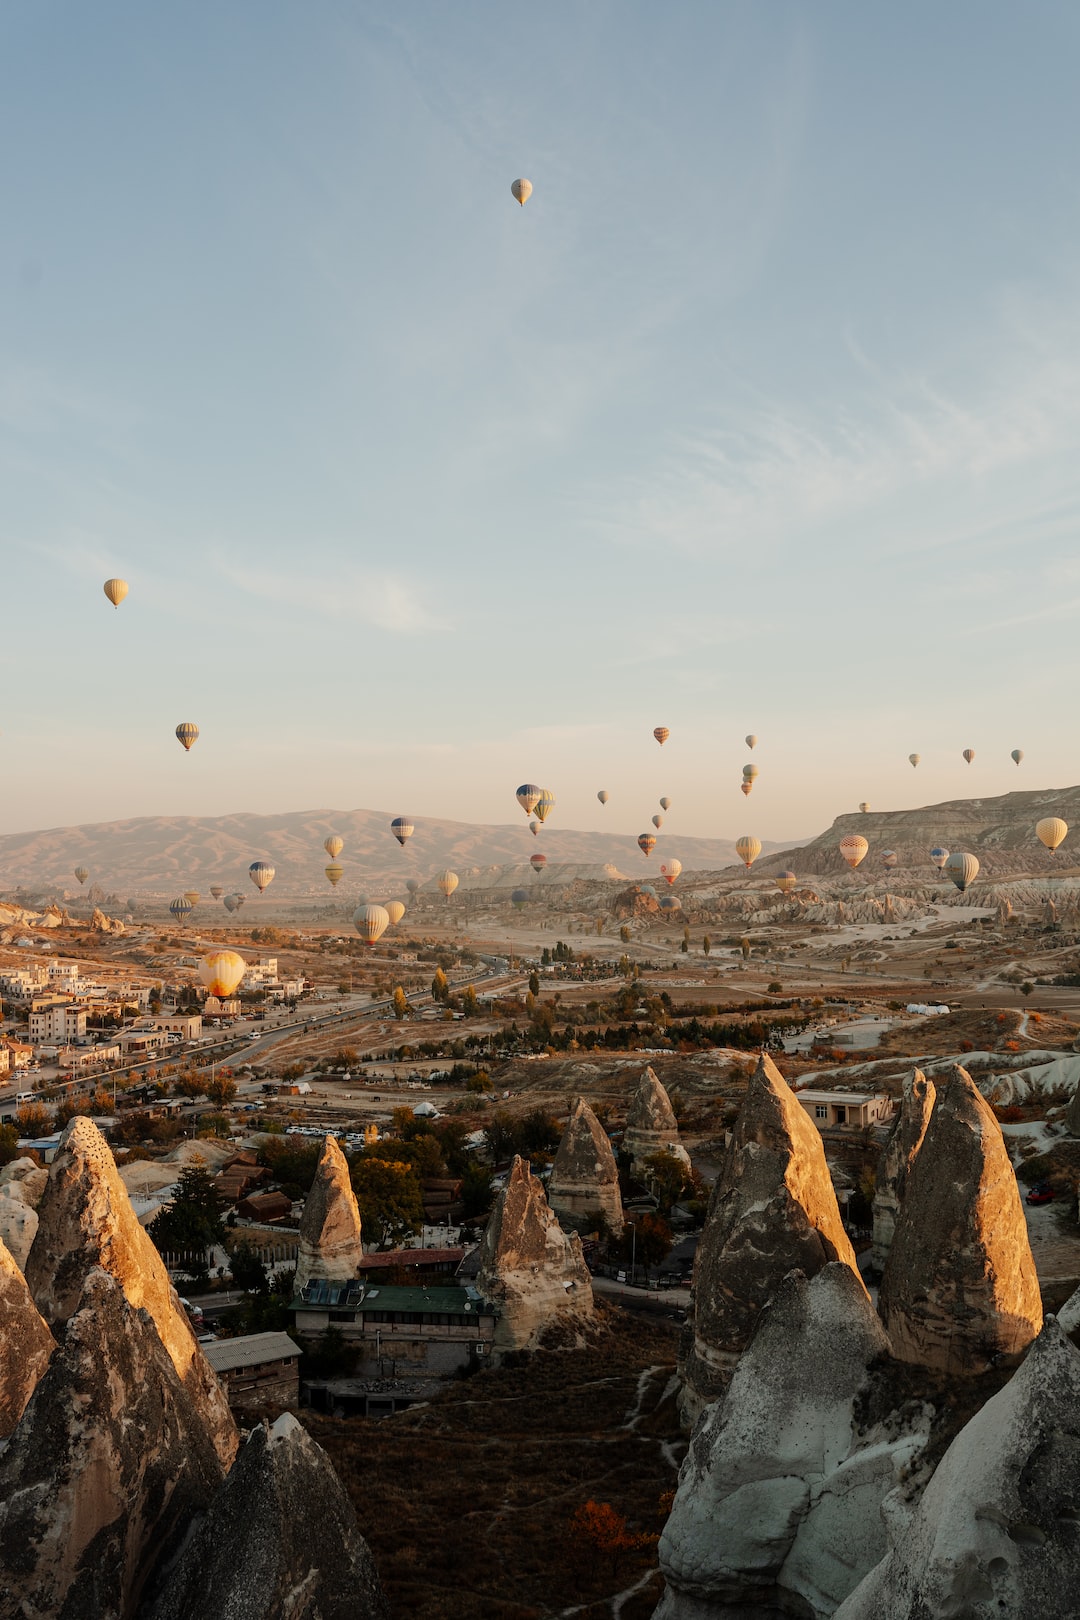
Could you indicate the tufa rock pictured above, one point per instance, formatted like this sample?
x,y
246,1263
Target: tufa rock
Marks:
x,y
25,1344
105,1469
584,1185
25,1179
651,1125
997,1530
330,1246
772,1210
18,1224
279,1542
905,1139
530,1269
960,1290
1072,1112
778,1508
85,1219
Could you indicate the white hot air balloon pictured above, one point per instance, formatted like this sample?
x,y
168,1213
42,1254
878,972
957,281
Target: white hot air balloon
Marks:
x,y
371,923
962,868
853,849
448,882
670,870
750,740
1051,831
603,795
521,190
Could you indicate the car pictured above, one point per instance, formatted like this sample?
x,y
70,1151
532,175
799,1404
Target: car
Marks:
x,y
1041,1193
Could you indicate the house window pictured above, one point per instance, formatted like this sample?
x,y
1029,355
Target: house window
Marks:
x,y
821,1111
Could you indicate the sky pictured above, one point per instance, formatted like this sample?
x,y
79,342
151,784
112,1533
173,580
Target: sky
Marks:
x,y
761,416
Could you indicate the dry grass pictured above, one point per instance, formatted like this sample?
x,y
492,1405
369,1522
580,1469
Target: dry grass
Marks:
x,y
467,1502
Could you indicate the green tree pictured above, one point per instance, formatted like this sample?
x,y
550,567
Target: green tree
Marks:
x,y
9,1144
534,983
667,1175
388,1193
401,1003
248,1271
192,1223
476,1190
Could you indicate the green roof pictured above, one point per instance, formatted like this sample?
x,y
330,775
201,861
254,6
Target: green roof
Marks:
x,y
377,1297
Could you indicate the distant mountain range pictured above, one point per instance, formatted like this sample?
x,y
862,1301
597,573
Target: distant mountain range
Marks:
x,y
154,855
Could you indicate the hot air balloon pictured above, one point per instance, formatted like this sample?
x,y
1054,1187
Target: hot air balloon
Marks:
x,y
412,884
853,849
750,773
216,891
538,862
527,796
969,755
603,795
534,828
750,740
747,788
82,873
785,882
865,808
521,191
221,972
1017,755
913,760
395,911
661,733
889,858
939,857
180,908
646,843
261,874
519,898
748,849
402,828
333,846
187,735
658,822
333,874
193,895
670,869
544,805
371,923
670,902
448,882
962,868
665,803
115,590
1051,831
231,902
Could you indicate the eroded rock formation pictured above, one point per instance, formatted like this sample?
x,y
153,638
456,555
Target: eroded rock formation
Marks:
x,y
997,1531
279,1542
330,1245
101,1476
960,1290
25,1343
531,1269
85,1220
772,1210
651,1126
778,1508
584,1186
909,1128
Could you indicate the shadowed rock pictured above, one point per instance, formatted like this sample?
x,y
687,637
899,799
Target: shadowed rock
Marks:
x,y
778,1508
996,1533
279,1542
772,1210
330,1246
1072,1112
103,1472
25,1344
85,1220
960,1290
651,1126
584,1185
531,1269
904,1142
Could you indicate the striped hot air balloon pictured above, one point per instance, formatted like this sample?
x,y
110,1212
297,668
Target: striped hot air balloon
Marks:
x,y
261,874
545,804
193,895
333,874
527,795
187,735
180,908
939,857
448,882
115,590
661,733
646,843
221,972
402,828
962,868
82,873
538,862
785,881
969,755
748,849
371,923
333,846
854,849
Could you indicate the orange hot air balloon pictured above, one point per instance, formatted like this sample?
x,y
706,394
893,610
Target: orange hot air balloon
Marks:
x,y
538,862
115,590
746,788
221,972
661,733
646,843
853,849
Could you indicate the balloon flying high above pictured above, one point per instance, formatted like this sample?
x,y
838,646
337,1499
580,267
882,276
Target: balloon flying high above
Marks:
x,y
115,590
521,190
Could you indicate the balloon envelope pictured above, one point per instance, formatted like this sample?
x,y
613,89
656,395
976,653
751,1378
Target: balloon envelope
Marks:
x,y
658,822
412,885
1051,831
181,908
448,882
750,740
746,788
913,759
603,795
520,898
665,803
646,843
216,891
889,857
786,881
221,972
969,755
116,590
939,857
534,828
193,895
371,923
395,911
864,807
334,874
231,902
261,874
748,849
853,849
522,191
670,870
669,902
402,828
527,795
187,733
661,733
544,805
82,873
962,868
333,846
538,862
1017,755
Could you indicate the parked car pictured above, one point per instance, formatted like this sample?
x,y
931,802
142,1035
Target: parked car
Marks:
x,y
1041,1193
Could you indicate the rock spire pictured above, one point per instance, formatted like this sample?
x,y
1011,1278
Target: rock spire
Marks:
x,y
905,1140
330,1244
651,1125
530,1269
85,1220
584,1185
772,1210
960,1290
25,1344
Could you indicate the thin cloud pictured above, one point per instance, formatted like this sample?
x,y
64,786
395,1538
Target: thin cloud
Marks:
x,y
387,601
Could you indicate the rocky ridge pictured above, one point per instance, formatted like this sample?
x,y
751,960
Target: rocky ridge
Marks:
x,y
25,1343
651,1126
909,1128
584,1186
330,1245
529,1267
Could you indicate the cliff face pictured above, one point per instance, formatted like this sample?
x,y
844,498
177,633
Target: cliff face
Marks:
x,y
651,1126
330,1242
529,1267
584,1185
25,1344
772,1210
85,1221
960,1290
905,1140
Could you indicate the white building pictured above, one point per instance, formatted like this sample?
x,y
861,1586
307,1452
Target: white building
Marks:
x,y
55,1020
851,1109
186,1025
20,984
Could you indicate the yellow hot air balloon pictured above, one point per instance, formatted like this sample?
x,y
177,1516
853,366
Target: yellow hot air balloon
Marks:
x,y
193,895
786,881
545,804
661,733
670,870
371,923
448,882
221,972
750,740
853,849
395,911
187,734
333,874
521,190
969,755
748,849
1051,831
115,590
333,846
750,773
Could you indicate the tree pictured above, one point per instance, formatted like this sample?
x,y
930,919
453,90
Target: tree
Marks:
x,y
624,934
744,946
469,1004
667,1175
192,1223
388,1193
248,1271
221,1089
706,944
401,1003
598,1527
190,1084
1026,988
9,1144
33,1119
440,986
534,983
652,1243
476,1190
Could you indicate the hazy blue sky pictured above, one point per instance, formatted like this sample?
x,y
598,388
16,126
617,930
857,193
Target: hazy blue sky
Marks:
x,y
762,415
